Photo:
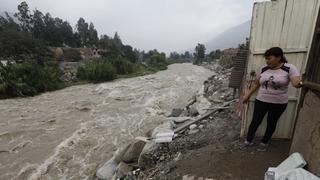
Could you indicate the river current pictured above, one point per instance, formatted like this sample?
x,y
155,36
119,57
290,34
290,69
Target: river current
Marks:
x,y
67,134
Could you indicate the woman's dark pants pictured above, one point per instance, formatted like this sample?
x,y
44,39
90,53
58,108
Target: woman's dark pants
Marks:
x,y
260,109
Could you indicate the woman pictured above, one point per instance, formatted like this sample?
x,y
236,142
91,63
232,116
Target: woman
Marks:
x,y
272,98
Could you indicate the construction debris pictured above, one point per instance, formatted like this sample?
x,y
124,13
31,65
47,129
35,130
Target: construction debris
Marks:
x,y
291,168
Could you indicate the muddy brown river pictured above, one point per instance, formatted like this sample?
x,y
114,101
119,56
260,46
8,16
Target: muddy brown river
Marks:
x,y
67,134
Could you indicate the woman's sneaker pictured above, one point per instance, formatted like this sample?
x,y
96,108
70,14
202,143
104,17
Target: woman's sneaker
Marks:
x,y
246,144
262,147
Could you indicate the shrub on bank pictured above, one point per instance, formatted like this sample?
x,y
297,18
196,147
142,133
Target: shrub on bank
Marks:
x,y
158,61
97,71
28,79
123,66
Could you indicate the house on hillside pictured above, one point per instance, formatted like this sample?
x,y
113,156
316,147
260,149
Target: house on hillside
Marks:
x,y
293,25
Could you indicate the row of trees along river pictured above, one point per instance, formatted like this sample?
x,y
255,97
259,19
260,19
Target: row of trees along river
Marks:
x,y
29,65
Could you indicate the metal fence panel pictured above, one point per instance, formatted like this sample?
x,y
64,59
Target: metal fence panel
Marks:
x,y
288,24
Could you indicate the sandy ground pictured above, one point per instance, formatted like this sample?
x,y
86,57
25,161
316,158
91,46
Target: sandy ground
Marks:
x,y
215,153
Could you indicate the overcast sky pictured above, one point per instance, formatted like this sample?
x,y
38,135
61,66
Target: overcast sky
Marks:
x,y
166,25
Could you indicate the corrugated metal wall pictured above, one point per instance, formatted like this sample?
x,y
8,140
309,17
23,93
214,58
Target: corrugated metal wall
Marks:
x,y
289,25
307,130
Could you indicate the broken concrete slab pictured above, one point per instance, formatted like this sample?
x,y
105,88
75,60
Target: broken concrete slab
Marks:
x,y
162,128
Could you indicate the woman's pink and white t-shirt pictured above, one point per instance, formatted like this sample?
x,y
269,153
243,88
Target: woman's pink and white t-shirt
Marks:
x,y
274,83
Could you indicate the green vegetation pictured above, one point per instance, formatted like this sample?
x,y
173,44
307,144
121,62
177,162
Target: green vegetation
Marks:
x,y
122,66
28,42
97,71
199,54
180,58
28,79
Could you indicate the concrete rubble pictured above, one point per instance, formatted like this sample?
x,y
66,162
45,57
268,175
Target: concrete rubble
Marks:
x,y
141,158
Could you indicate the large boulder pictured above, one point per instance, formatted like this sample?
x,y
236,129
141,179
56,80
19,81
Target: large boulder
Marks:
x,y
107,171
133,152
146,158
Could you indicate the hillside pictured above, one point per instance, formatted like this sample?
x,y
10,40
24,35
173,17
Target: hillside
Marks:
x,y
229,38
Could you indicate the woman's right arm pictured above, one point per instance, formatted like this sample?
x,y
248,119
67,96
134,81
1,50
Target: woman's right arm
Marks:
x,y
254,87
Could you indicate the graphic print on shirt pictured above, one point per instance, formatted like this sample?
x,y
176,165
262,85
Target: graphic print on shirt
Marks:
x,y
274,83
271,83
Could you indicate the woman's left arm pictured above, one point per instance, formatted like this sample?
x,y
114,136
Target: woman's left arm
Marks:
x,y
296,81
295,77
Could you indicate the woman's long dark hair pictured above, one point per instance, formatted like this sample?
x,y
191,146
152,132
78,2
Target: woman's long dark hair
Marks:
x,y
277,52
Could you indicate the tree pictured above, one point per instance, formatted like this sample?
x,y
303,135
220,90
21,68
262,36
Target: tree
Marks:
x,y
82,28
174,55
158,61
199,53
117,40
49,31
187,55
67,34
129,54
104,41
38,24
8,23
24,16
76,40
215,54
93,35
19,45
218,54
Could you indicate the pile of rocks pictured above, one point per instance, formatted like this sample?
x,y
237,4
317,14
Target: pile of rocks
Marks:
x,y
216,88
